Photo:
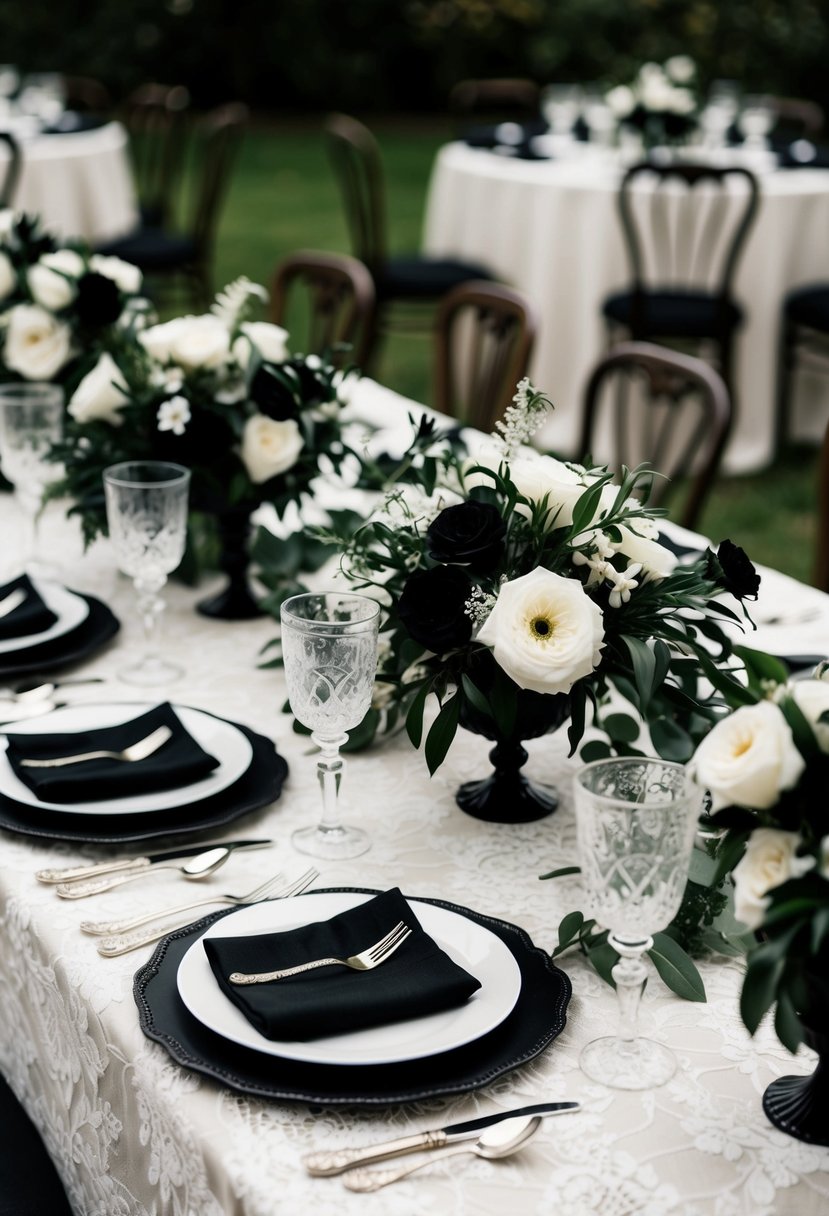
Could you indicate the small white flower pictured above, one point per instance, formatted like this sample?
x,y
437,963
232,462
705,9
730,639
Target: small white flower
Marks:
x,y
101,394
126,277
37,343
595,563
53,279
769,860
623,583
545,631
270,447
656,561
749,758
173,415
8,279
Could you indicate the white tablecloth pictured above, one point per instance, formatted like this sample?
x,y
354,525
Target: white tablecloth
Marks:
x,y
551,229
79,183
133,1134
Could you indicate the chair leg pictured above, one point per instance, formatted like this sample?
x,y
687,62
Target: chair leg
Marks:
x,y
785,371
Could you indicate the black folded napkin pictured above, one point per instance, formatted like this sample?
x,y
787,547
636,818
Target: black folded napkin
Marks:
x,y
179,761
418,979
32,616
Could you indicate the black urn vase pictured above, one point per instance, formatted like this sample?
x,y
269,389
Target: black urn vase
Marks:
x,y
799,1106
507,796
235,601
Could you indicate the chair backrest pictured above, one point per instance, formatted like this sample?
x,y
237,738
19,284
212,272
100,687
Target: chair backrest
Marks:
x,y
484,335
219,136
685,225
796,117
666,408
337,307
821,578
156,117
10,171
355,157
503,96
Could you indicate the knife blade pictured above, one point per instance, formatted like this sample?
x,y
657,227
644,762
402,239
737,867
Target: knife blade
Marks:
x,y
325,1164
134,865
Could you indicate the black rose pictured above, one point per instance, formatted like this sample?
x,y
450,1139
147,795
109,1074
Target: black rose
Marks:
x,y
272,396
431,606
98,301
471,533
733,571
208,441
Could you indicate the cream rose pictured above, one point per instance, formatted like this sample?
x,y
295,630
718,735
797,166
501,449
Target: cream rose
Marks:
x,y
125,276
270,340
158,340
536,477
7,276
37,344
545,631
768,861
812,699
53,280
191,342
270,447
748,758
656,561
100,394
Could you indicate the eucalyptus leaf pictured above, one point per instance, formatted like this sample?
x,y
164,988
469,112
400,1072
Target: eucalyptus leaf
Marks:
x,y
676,968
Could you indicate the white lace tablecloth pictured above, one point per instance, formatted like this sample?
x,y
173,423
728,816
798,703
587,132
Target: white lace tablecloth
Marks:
x,y
134,1134
552,230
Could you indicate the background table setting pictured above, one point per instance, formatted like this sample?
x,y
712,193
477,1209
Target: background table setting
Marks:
x,y
153,1091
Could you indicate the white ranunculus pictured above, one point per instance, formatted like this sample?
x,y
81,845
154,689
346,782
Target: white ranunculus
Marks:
x,y
8,278
270,447
125,276
53,279
769,860
656,561
749,758
812,699
270,340
100,394
545,631
37,343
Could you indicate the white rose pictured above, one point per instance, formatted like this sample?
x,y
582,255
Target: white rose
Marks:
x,y
125,276
656,561
158,340
8,279
200,342
100,394
769,860
270,340
37,344
53,280
545,631
748,758
812,699
681,68
270,447
536,477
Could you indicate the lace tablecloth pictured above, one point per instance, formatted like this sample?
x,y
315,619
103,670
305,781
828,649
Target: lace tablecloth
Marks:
x,y
132,1133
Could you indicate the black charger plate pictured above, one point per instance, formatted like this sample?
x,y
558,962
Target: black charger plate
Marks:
x,y
538,1017
99,626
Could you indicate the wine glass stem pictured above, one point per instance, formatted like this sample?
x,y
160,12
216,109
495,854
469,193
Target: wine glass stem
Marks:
x,y
629,975
150,607
330,768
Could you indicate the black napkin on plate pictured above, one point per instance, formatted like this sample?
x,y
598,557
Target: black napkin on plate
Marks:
x,y
418,979
32,616
179,761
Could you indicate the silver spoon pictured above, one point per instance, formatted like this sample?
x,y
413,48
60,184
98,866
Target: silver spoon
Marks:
x,y
500,1140
34,691
201,866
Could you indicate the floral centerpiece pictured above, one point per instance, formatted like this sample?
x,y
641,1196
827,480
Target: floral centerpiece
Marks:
x,y
766,767
660,102
519,591
221,394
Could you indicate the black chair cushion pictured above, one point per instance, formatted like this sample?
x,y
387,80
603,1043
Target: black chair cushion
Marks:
x,y
675,314
29,1183
416,278
809,306
152,249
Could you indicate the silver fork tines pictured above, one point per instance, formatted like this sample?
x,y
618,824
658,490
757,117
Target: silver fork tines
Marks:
x,y
136,751
366,960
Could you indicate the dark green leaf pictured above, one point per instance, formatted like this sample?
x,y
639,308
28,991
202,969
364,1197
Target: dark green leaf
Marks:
x,y
676,968
622,728
595,749
603,958
787,1024
475,697
765,968
760,667
671,741
360,736
644,669
414,718
561,872
729,852
569,928
441,733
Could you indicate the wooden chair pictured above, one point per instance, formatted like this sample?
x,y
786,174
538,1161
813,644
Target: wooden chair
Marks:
x,y
796,118
412,281
821,577
10,171
484,335
186,257
155,116
29,1183
684,237
678,421
338,303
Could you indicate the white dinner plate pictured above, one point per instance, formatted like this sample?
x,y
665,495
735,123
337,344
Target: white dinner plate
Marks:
x,y
70,608
468,943
221,739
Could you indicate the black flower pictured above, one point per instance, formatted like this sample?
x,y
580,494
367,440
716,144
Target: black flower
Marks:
x,y
431,606
471,533
272,395
98,301
733,571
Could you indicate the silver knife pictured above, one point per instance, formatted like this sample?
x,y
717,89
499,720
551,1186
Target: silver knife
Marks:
x,y
323,1165
135,865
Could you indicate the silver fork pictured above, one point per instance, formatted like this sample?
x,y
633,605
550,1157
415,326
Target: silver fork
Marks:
x,y
366,960
136,751
119,936
12,601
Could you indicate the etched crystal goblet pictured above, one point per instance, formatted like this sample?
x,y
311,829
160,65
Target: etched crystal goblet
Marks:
x,y
31,421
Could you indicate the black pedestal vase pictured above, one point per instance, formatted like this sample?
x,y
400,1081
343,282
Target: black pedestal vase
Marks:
x,y
506,796
235,601
799,1106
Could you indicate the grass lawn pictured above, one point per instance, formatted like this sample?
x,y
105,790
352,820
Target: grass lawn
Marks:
x,y
283,197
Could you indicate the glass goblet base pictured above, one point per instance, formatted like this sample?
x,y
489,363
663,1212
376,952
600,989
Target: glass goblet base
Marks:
x,y
150,672
333,844
628,1063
